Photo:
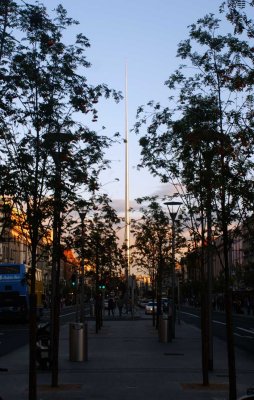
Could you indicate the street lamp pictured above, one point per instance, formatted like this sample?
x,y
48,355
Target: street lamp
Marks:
x,y
82,216
173,208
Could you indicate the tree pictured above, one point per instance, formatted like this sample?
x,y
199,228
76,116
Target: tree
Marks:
x,y
204,141
100,247
104,252
151,247
45,149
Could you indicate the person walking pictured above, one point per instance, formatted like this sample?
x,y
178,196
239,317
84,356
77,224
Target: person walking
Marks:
x,y
120,305
111,306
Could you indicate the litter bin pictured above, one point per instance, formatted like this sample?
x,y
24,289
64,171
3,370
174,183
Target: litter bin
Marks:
x,y
163,329
77,342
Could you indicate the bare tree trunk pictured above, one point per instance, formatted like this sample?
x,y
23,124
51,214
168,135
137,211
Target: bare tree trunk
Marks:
x,y
32,331
204,314
210,279
229,320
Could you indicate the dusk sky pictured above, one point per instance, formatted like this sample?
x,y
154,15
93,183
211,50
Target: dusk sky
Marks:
x,y
143,34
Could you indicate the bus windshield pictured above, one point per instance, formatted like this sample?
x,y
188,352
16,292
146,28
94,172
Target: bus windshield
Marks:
x,y
9,269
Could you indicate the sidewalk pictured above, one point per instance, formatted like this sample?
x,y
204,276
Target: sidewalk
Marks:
x,y
127,361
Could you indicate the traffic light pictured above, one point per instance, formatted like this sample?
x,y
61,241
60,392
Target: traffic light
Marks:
x,y
102,285
73,279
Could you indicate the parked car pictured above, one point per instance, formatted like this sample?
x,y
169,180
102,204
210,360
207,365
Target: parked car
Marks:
x,y
151,307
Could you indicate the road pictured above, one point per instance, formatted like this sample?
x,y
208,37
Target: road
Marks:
x,y
243,326
13,336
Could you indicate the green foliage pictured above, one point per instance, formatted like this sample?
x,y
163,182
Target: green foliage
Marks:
x,y
151,246
206,139
95,239
44,90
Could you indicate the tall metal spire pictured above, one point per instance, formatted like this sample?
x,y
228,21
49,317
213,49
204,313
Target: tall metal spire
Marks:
x,y
127,218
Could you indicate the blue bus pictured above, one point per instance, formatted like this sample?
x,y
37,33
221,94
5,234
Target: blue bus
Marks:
x,y
14,292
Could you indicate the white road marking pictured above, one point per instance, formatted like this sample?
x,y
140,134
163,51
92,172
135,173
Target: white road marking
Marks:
x,y
192,315
243,336
218,322
224,323
245,330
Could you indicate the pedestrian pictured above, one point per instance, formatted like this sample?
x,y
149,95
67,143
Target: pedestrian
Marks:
x,y
111,306
120,305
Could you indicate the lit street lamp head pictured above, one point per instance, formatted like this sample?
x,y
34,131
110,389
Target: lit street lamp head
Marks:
x,y
173,207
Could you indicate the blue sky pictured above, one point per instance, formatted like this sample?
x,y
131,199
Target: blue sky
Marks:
x,y
144,34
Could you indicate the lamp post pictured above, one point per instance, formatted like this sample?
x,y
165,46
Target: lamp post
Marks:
x,y
178,298
173,207
82,215
82,293
56,265
83,207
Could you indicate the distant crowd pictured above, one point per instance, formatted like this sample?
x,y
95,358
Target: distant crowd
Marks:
x,y
120,304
